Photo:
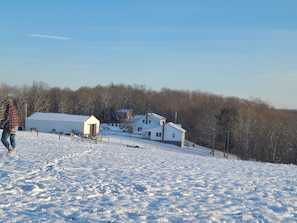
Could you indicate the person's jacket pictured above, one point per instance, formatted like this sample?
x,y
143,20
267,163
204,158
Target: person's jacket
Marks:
x,y
11,119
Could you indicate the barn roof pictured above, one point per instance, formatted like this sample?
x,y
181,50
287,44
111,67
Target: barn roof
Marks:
x,y
58,117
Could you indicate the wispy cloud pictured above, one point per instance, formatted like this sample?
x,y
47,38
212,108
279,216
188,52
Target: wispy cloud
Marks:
x,y
66,67
35,35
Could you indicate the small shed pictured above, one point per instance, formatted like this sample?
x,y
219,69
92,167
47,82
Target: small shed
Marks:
x,y
63,123
125,118
124,115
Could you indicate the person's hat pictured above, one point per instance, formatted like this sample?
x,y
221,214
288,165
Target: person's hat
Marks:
x,y
8,101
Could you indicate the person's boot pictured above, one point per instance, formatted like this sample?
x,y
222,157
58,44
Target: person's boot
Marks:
x,y
11,149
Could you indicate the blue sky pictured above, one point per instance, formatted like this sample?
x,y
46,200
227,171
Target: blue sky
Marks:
x,y
241,48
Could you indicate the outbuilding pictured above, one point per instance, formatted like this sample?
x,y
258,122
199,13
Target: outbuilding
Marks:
x,y
63,123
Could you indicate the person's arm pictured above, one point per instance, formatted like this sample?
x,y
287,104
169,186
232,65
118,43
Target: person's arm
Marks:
x,y
7,115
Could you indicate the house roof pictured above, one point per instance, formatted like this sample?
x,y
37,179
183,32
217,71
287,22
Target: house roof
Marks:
x,y
124,110
58,117
137,117
152,115
148,127
171,124
176,126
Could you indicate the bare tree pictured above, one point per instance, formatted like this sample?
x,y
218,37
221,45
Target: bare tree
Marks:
x,y
249,129
38,99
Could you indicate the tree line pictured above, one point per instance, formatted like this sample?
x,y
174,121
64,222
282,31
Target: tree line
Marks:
x,y
250,129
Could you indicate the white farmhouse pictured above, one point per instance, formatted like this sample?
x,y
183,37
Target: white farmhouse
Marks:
x,y
167,133
63,123
154,127
150,119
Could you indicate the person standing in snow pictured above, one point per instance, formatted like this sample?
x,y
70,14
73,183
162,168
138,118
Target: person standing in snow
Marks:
x,y
10,125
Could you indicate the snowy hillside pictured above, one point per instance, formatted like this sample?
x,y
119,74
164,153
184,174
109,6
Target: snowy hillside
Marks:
x,y
52,180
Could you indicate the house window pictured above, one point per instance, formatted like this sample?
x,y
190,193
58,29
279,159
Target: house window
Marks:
x,y
173,135
149,133
139,129
158,134
150,121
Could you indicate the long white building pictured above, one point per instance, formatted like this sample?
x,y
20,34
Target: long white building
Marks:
x,y
63,123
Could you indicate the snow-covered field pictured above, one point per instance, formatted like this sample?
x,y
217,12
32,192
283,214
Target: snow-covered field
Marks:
x,y
63,180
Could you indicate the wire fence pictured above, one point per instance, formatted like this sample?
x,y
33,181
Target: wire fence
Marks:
x,y
128,142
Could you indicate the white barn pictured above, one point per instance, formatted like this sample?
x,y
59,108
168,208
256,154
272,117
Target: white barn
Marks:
x,y
168,133
63,123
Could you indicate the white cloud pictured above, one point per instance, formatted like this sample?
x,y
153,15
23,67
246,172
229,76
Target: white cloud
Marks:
x,y
66,67
49,37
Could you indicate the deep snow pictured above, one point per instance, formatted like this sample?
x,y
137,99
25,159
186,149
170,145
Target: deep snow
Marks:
x,y
52,179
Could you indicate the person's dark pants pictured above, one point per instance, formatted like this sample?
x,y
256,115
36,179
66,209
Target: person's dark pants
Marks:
x,y
5,134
